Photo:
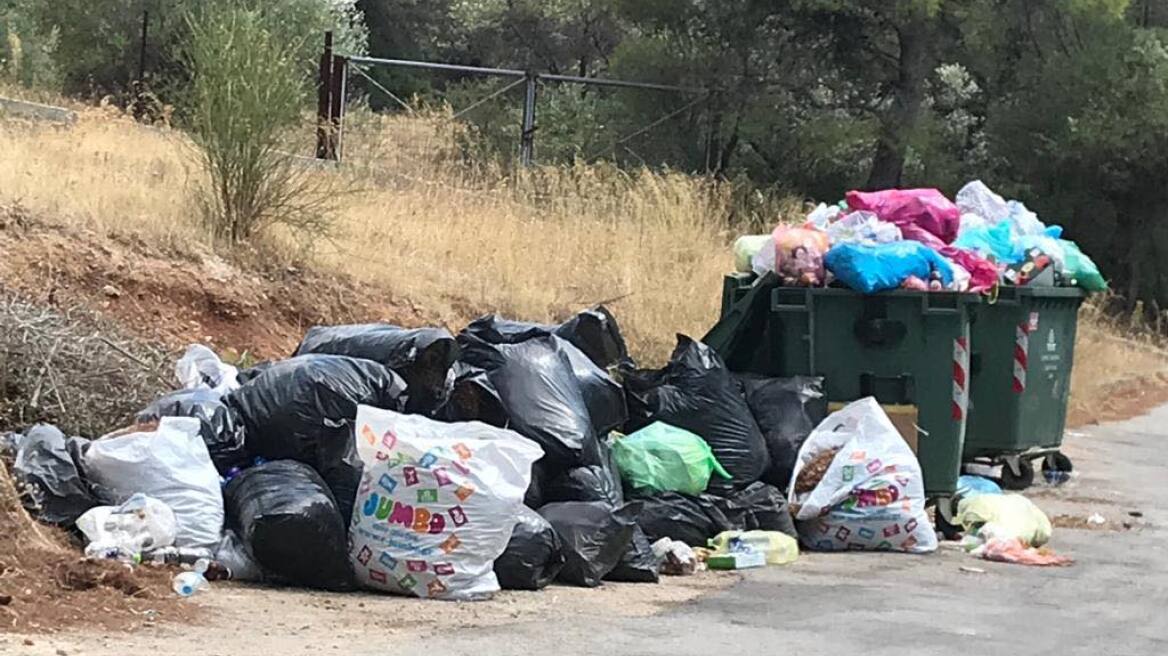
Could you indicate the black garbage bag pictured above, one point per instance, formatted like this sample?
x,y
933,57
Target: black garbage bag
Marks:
x,y
599,482
494,329
245,376
421,356
638,564
47,465
303,409
603,395
533,557
541,475
594,537
534,379
591,483
596,334
696,392
472,398
288,519
759,507
220,429
787,410
680,517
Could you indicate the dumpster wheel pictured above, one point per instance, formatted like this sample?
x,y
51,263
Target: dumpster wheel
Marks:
x,y
1057,461
1017,474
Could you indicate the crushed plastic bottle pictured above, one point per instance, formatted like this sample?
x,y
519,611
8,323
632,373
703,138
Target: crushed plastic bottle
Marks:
x,y
186,584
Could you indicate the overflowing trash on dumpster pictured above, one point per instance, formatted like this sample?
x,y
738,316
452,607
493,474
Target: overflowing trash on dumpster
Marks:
x,y
919,239
516,455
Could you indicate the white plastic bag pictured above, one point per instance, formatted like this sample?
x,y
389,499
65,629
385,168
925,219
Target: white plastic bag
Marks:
x,y
200,367
170,464
864,228
823,215
437,503
976,198
142,523
745,248
763,261
872,496
1023,221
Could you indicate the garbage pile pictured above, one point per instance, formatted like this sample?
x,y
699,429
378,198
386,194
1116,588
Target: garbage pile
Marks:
x,y
511,455
918,239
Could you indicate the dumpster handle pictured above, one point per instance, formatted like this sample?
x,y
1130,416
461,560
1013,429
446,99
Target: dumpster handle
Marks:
x,y
803,308
931,310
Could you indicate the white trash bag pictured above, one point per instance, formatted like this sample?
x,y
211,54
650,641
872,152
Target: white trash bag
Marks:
x,y
170,464
437,503
978,199
872,496
199,367
140,524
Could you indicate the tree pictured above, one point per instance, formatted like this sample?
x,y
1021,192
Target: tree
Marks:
x,y
247,90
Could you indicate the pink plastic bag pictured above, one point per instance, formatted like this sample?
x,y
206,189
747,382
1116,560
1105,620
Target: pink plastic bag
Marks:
x,y
927,209
799,256
983,275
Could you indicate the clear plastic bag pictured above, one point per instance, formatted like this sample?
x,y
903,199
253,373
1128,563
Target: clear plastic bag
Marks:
x,y
199,367
142,523
799,256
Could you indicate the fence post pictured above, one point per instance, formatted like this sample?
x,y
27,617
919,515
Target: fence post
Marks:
x,y
323,99
339,80
527,145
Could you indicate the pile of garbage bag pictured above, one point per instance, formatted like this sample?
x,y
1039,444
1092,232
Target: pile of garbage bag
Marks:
x,y
918,239
439,465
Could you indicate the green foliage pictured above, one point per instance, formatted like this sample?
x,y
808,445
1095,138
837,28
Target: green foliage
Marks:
x,y
26,51
246,92
98,44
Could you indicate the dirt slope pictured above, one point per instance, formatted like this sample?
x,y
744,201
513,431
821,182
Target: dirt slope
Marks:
x,y
177,300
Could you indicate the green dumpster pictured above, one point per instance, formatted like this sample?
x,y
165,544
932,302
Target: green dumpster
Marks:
x,y
903,347
1023,348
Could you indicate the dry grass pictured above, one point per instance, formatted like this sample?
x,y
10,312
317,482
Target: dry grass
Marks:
x,y
1114,354
458,240
463,239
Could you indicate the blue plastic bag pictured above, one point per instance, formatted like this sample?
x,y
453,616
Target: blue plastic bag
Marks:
x,y
996,242
970,486
879,267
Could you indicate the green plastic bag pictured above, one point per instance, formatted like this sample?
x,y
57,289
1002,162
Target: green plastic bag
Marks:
x,y
1080,268
664,458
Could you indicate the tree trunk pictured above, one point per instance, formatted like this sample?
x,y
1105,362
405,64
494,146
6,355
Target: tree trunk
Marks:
x,y
908,92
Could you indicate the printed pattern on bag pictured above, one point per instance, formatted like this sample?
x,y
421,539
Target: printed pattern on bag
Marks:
x,y
431,498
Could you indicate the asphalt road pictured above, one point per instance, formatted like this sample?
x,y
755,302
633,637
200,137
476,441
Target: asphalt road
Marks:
x,y
1114,600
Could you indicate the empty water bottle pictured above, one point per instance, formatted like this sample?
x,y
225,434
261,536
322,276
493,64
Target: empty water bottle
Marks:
x,y
186,584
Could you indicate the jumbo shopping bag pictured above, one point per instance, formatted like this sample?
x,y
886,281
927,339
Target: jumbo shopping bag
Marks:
x,y
437,503
871,495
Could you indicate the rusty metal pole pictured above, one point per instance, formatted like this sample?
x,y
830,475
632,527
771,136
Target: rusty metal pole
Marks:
x,y
324,102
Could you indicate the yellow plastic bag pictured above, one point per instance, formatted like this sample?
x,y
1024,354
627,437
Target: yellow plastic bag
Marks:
x,y
1004,516
780,548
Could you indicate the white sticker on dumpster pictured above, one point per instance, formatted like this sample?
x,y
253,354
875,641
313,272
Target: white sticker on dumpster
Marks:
x,y
437,503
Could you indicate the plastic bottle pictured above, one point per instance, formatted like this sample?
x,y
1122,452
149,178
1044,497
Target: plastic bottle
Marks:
x,y
186,584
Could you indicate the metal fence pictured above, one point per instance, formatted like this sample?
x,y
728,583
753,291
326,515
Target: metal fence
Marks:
x,y
340,74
